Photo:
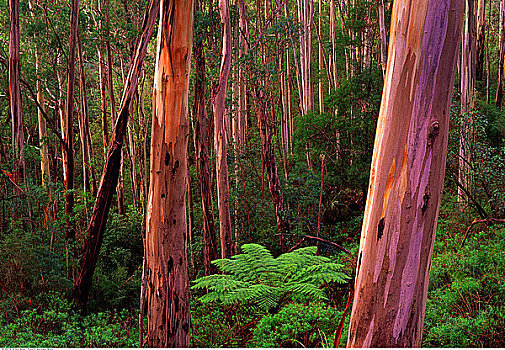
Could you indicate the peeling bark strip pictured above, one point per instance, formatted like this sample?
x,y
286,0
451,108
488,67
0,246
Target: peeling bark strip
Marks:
x,y
166,265
94,233
407,174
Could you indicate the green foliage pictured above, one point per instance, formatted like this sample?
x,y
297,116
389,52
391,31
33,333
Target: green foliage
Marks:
x,y
466,293
221,327
119,268
298,325
54,324
258,279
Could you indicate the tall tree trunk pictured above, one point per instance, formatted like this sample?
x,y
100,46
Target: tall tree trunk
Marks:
x,y
466,137
42,124
501,64
220,134
202,162
383,35
305,14
166,259
44,149
67,122
407,175
16,107
96,227
480,42
87,149
320,59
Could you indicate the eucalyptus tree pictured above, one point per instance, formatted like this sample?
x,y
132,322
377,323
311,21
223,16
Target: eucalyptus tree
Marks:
x,y
407,175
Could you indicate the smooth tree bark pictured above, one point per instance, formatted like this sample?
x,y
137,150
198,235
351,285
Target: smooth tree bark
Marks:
x,y
67,118
468,70
221,135
480,39
166,264
108,182
407,175
16,108
501,63
200,134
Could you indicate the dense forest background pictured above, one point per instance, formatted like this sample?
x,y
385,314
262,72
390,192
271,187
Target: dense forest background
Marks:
x,y
300,112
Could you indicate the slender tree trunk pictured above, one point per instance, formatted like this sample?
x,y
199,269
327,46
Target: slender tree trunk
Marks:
x,y
202,162
481,39
268,159
96,227
67,122
466,137
383,35
87,149
166,259
320,59
305,14
16,107
220,134
44,149
102,71
407,175
501,67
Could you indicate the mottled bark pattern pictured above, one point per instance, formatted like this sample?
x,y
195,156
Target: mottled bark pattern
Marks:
x,y
166,268
407,175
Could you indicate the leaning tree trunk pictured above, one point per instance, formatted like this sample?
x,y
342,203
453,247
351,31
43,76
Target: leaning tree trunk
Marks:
x,y
96,227
407,175
221,136
202,163
16,108
166,265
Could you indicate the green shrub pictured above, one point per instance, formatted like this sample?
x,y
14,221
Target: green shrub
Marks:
x,y
298,325
465,299
53,323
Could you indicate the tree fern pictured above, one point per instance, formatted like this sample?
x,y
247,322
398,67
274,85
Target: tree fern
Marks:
x,y
256,278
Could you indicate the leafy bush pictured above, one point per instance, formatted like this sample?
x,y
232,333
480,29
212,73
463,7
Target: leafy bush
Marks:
x,y
57,325
256,278
298,325
221,327
465,299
